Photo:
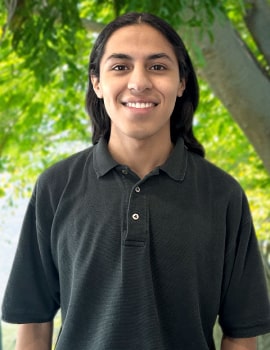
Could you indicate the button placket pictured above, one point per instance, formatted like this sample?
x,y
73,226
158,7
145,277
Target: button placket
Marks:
x,y
137,225
136,216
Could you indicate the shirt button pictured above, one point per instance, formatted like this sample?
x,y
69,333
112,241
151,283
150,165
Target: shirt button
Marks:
x,y
124,171
135,216
137,189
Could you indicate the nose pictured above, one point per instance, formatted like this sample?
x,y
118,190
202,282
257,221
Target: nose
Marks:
x,y
139,81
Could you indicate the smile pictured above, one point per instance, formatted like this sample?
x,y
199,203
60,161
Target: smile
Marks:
x,y
140,105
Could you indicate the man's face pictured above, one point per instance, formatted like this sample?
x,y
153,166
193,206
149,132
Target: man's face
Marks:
x,y
139,82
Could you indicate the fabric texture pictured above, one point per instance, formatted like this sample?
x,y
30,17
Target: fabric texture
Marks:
x,y
138,263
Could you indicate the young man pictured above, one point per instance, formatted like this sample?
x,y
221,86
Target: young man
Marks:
x,y
139,240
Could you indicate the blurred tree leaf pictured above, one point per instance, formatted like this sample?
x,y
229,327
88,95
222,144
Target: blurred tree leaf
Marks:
x,y
44,53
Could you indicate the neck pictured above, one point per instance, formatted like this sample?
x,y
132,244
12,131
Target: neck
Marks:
x,y
141,156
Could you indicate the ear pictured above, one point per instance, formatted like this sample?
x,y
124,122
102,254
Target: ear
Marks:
x,y
181,87
96,86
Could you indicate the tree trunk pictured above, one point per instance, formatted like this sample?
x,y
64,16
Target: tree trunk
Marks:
x,y
257,19
238,81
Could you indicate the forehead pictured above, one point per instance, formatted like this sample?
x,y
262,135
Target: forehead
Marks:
x,y
138,39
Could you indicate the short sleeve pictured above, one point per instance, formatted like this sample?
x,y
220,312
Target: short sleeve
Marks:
x,y
245,307
32,293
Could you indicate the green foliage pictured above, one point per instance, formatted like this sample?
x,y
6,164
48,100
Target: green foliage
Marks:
x,y
37,118
44,33
235,10
192,13
43,63
227,146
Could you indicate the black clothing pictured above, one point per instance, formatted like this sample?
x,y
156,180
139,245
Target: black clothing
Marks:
x,y
138,263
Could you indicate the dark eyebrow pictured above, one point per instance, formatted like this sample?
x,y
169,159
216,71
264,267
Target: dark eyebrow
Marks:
x,y
159,55
152,57
120,56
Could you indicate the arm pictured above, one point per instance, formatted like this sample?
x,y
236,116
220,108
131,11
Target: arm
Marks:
x,y
33,336
238,343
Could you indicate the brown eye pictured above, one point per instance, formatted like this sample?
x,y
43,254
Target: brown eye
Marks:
x,y
157,67
120,67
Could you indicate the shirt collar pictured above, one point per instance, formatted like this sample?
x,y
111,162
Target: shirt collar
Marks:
x,y
175,166
103,161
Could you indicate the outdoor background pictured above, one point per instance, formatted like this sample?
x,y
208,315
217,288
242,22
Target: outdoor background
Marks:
x,y
44,50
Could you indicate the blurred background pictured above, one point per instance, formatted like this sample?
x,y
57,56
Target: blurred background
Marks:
x,y
44,51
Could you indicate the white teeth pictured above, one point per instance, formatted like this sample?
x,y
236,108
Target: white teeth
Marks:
x,y
139,104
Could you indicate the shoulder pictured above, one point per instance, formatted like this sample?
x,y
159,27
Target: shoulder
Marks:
x,y
55,178
215,183
220,190
210,173
66,167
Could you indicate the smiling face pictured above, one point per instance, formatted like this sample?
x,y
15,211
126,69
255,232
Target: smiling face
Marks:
x,y
139,82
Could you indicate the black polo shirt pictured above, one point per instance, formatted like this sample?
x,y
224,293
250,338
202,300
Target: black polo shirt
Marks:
x,y
136,263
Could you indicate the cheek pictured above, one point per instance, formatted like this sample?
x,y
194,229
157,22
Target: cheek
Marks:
x,y
172,95
171,89
170,99
111,95
109,102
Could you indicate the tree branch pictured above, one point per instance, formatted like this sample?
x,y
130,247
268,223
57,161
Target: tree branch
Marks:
x,y
92,26
257,19
237,79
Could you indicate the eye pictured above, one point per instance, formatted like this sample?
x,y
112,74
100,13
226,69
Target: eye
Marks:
x,y
120,67
157,67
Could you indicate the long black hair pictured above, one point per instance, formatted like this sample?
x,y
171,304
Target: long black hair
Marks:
x,y
185,106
